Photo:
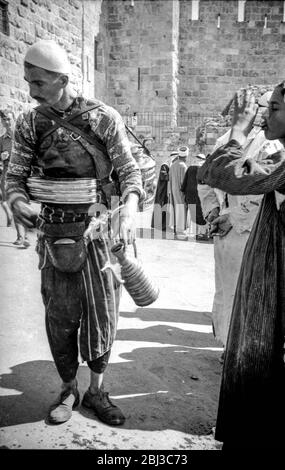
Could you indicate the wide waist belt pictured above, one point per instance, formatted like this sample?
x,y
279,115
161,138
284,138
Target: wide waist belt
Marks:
x,y
60,214
64,190
75,229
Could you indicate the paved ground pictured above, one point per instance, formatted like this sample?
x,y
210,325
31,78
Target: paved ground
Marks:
x,y
164,370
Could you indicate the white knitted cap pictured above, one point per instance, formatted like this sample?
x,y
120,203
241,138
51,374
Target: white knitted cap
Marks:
x,y
48,55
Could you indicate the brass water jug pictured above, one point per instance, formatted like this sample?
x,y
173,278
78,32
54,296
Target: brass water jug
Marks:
x,y
140,287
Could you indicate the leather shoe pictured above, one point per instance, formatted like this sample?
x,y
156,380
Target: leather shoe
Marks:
x,y
104,409
19,241
61,410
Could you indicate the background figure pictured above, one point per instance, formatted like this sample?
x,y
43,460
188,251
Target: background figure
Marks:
x,y
7,120
189,188
178,210
5,151
231,219
162,195
251,409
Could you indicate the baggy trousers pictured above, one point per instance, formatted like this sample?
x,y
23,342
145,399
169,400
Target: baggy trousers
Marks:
x,y
82,311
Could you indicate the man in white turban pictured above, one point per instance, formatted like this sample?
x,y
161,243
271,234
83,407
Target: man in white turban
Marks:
x,y
68,136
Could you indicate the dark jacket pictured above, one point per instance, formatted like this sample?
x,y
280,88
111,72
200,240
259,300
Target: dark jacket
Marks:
x,y
189,188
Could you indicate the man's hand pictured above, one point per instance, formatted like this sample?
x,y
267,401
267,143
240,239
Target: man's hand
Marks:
x,y
127,231
213,214
245,109
4,155
221,225
24,214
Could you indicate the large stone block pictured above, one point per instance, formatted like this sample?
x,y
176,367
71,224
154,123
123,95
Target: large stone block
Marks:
x,y
19,35
39,32
4,90
19,59
22,11
75,4
32,7
229,51
114,26
121,101
3,78
29,38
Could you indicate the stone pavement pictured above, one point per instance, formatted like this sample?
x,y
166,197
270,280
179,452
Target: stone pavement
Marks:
x,y
164,371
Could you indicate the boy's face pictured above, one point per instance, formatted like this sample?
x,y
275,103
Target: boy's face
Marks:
x,y
274,119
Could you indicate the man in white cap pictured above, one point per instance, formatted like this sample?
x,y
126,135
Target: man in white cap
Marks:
x,y
68,136
178,209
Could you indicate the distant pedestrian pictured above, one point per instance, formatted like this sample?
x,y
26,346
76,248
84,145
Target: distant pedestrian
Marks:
x,y
7,120
189,188
160,216
178,210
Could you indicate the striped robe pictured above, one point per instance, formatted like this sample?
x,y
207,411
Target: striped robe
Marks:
x,y
251,405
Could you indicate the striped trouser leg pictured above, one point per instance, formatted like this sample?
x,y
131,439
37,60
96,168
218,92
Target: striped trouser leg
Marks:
x,y
100,301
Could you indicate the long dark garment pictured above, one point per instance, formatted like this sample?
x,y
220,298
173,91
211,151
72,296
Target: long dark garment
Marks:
x,y
161,197
251,405
189,188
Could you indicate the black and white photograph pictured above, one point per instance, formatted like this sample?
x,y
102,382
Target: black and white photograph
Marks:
x,y
142,229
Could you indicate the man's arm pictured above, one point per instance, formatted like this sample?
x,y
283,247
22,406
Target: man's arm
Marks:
x,y
228,170
118,147
112,131
21,157
23,151
207,195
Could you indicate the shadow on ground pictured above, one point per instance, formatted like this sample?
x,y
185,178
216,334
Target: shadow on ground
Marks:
x,y
170,386
8,244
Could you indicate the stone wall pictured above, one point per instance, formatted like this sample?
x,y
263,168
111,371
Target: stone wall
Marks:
x,y
214,62
142,66
151,57
32,20
95,29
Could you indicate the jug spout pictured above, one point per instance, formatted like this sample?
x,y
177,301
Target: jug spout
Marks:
x,y
119,251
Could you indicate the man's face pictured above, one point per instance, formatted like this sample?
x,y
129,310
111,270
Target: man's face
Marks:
x,y
44,87
274,120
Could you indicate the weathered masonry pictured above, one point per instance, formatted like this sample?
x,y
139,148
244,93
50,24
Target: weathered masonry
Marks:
x,y
164,64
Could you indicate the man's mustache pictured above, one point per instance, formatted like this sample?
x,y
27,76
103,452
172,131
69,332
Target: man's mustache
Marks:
x,y
38,98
